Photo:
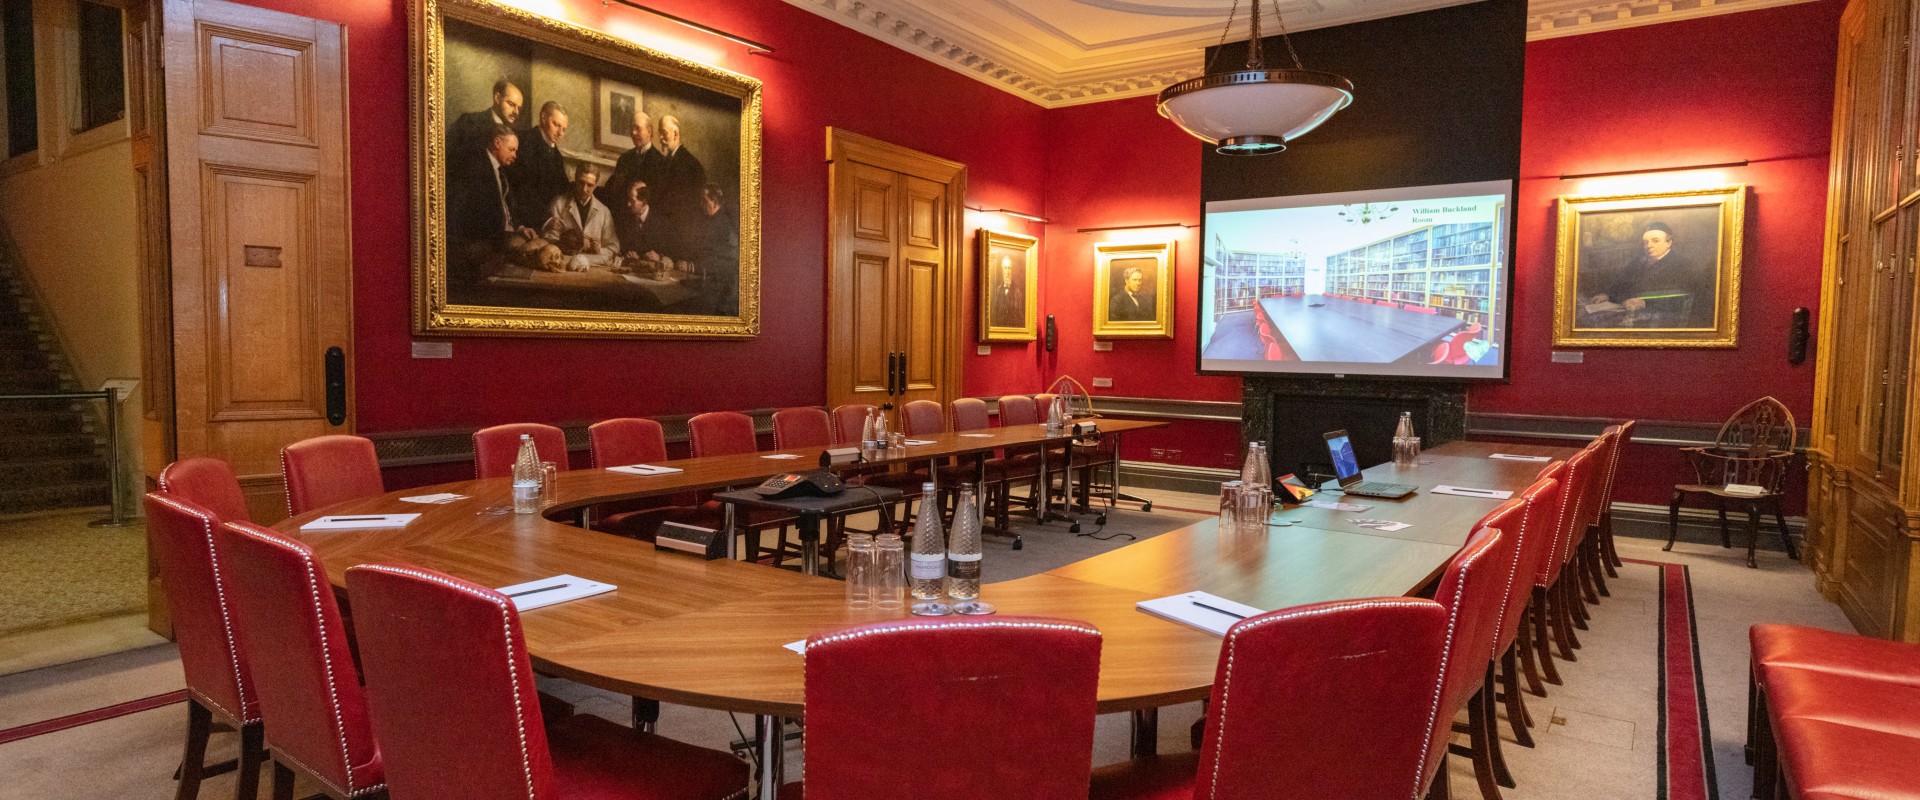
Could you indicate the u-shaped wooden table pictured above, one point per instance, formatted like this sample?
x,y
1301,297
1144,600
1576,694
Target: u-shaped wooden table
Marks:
x,y
710,633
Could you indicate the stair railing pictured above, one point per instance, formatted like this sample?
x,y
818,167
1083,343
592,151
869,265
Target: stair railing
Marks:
x,y
118,516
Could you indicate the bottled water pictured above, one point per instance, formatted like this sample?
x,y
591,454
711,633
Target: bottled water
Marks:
x,y
866,429
879,430
1056,415
1255,471
526,478
927,565
1406,446
963,555
1405,428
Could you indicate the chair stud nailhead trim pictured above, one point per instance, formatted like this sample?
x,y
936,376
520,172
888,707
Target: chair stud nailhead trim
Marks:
x,y
845,636
226,614
1446,657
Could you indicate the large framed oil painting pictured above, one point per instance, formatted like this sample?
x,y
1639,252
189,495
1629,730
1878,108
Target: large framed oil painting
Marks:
x,y
1133,290
570,183
1649,270
1009,284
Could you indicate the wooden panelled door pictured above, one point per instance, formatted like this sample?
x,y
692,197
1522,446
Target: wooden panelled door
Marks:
x,y
259,245
894,282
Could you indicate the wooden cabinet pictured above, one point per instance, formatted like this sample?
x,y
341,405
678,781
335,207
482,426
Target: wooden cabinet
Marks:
x,y
1864,515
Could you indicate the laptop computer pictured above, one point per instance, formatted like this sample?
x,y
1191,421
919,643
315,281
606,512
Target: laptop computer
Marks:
x,y
1346,467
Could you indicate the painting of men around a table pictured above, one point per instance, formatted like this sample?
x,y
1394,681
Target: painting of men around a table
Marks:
x,y
1659,270
554,224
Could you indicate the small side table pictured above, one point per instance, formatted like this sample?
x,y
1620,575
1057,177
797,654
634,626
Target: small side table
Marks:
x,y
810,511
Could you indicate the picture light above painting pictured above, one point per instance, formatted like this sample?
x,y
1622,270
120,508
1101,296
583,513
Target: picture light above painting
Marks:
x,y
571,183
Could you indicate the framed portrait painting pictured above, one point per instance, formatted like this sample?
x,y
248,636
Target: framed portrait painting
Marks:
x,y
1133,290
1009,286
1649,270
570,183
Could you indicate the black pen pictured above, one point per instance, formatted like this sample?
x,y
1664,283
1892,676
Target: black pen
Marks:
x,y
1220,610
354,519
541,589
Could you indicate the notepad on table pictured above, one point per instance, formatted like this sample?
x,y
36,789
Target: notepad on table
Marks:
x,y
1513,457
644,469
1462,491
917,442
548,591
434,499
978,435
359,522
780,456
798,647
1208,612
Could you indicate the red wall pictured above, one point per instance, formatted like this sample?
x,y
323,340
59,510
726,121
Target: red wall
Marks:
x,y
822,74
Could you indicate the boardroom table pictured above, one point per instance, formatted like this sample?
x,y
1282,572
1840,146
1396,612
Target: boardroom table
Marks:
x,y
1338,329
711,634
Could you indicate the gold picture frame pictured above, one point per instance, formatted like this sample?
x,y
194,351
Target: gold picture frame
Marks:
x,y
1009,286
1120,309
1659,269
698,273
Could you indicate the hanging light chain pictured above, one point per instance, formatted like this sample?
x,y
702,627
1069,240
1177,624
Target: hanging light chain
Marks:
x,y
1224,33
1282,22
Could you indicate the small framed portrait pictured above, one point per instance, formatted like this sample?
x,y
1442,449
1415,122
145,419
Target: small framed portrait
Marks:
x,y
1133,290
1009,286
613,112
1649,270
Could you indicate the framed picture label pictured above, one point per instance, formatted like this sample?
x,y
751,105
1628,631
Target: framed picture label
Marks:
x,y
1649,270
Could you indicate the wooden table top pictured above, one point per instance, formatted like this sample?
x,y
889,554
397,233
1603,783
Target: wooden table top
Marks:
x,y
710,633
1352,331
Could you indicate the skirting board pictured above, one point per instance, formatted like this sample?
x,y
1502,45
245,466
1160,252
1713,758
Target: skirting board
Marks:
x,y
1639,520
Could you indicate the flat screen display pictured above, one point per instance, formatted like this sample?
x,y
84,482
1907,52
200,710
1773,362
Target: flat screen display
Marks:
x,y
1409,282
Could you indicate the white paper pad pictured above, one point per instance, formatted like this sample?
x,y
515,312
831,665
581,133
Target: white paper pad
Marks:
x,y
978,435
360,522
917,442
1381,524
798,647
1512,457
532,596
1488,494
1182,608
644,469
1335,505
781,456
435,499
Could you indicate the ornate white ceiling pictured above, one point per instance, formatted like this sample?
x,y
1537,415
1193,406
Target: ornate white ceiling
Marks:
x,y
1067,52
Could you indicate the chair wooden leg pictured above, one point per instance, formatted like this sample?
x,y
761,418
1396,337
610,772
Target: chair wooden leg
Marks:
x,y
1606,545
1490,717
1524,648
1600,567
1563,620
1442,786
193,760
1477,727
1517,719
1753,533
1785,539
282,782
1575,602
1540,636
1720,506
253,754
1673,519
1588,583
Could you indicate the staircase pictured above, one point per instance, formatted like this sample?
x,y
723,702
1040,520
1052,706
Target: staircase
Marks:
x,y
52,452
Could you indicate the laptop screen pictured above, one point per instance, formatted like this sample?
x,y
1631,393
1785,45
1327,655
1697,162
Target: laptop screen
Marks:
x,y
1345,465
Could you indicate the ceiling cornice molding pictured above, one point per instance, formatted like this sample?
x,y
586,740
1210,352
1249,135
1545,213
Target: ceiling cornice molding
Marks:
x,y
1006,56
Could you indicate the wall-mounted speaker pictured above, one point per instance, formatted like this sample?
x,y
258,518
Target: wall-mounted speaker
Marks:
x,y
1797,336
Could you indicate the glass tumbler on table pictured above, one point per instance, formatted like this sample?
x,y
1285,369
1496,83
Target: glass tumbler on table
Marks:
x,y
860,572
1229,503
549,474
889,572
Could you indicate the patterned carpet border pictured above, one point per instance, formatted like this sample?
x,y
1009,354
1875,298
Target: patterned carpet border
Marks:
x,y
1686,742
58,724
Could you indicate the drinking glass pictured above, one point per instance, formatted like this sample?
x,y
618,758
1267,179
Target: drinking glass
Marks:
x,y
889,572
1229,503
1256,504
548,475
860,570
1406,452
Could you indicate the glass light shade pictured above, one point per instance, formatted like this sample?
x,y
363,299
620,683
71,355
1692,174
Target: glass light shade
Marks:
x,y
1255,112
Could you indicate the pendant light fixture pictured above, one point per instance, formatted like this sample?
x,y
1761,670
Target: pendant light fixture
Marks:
x,y
1255,111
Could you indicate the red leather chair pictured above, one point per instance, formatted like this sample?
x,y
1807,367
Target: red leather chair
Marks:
x,y
219,687
325,470
804,426
1334,696
1604,526
310,695
848,420
1831,700
1016,465
627,441
726,433
457,714
1014,694
1589,575
922,418
1553,617
496,448
970,414
208,483
1470,590
1531,539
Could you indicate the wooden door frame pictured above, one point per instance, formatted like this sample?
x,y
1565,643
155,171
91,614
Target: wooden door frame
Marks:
x,y
844,146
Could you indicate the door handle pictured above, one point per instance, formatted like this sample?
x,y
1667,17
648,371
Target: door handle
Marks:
x,y
902,383
336,377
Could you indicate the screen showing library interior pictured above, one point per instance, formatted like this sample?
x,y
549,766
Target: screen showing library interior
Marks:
x,y
1404,282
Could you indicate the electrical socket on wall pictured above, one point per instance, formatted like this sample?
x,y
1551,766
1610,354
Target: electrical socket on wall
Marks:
x,y
1102,383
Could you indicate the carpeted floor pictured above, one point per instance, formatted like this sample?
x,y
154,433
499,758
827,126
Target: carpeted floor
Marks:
x,y
54,570
1605,733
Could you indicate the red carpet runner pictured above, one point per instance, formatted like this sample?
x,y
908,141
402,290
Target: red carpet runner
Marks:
x,y
1686,743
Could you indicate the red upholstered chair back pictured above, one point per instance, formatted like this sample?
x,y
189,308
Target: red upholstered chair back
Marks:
x,y
625,442
208,483
199,599
1470,590
1016,693
1574,481
722,433
1333,696
1602,486
310,697
495,448
1018,409
919,418
325,470
448,681
1532,540
1040,403
805,426
1622,438
847,422
970,414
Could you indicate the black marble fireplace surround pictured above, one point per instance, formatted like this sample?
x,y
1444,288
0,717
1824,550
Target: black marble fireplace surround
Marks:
x,y
1290,413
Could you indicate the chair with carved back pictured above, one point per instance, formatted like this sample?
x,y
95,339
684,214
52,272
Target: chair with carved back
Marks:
x,y
1754,449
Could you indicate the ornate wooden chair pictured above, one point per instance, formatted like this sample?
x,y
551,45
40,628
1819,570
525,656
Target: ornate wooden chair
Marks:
x,y
1753,448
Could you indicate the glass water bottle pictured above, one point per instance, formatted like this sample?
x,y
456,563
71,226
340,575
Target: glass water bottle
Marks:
x,y
526,478
927,565
963,555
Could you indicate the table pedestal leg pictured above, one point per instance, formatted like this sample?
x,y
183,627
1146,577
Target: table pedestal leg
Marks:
x,y
980,495
810,544
728,531
772,741
1146,732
